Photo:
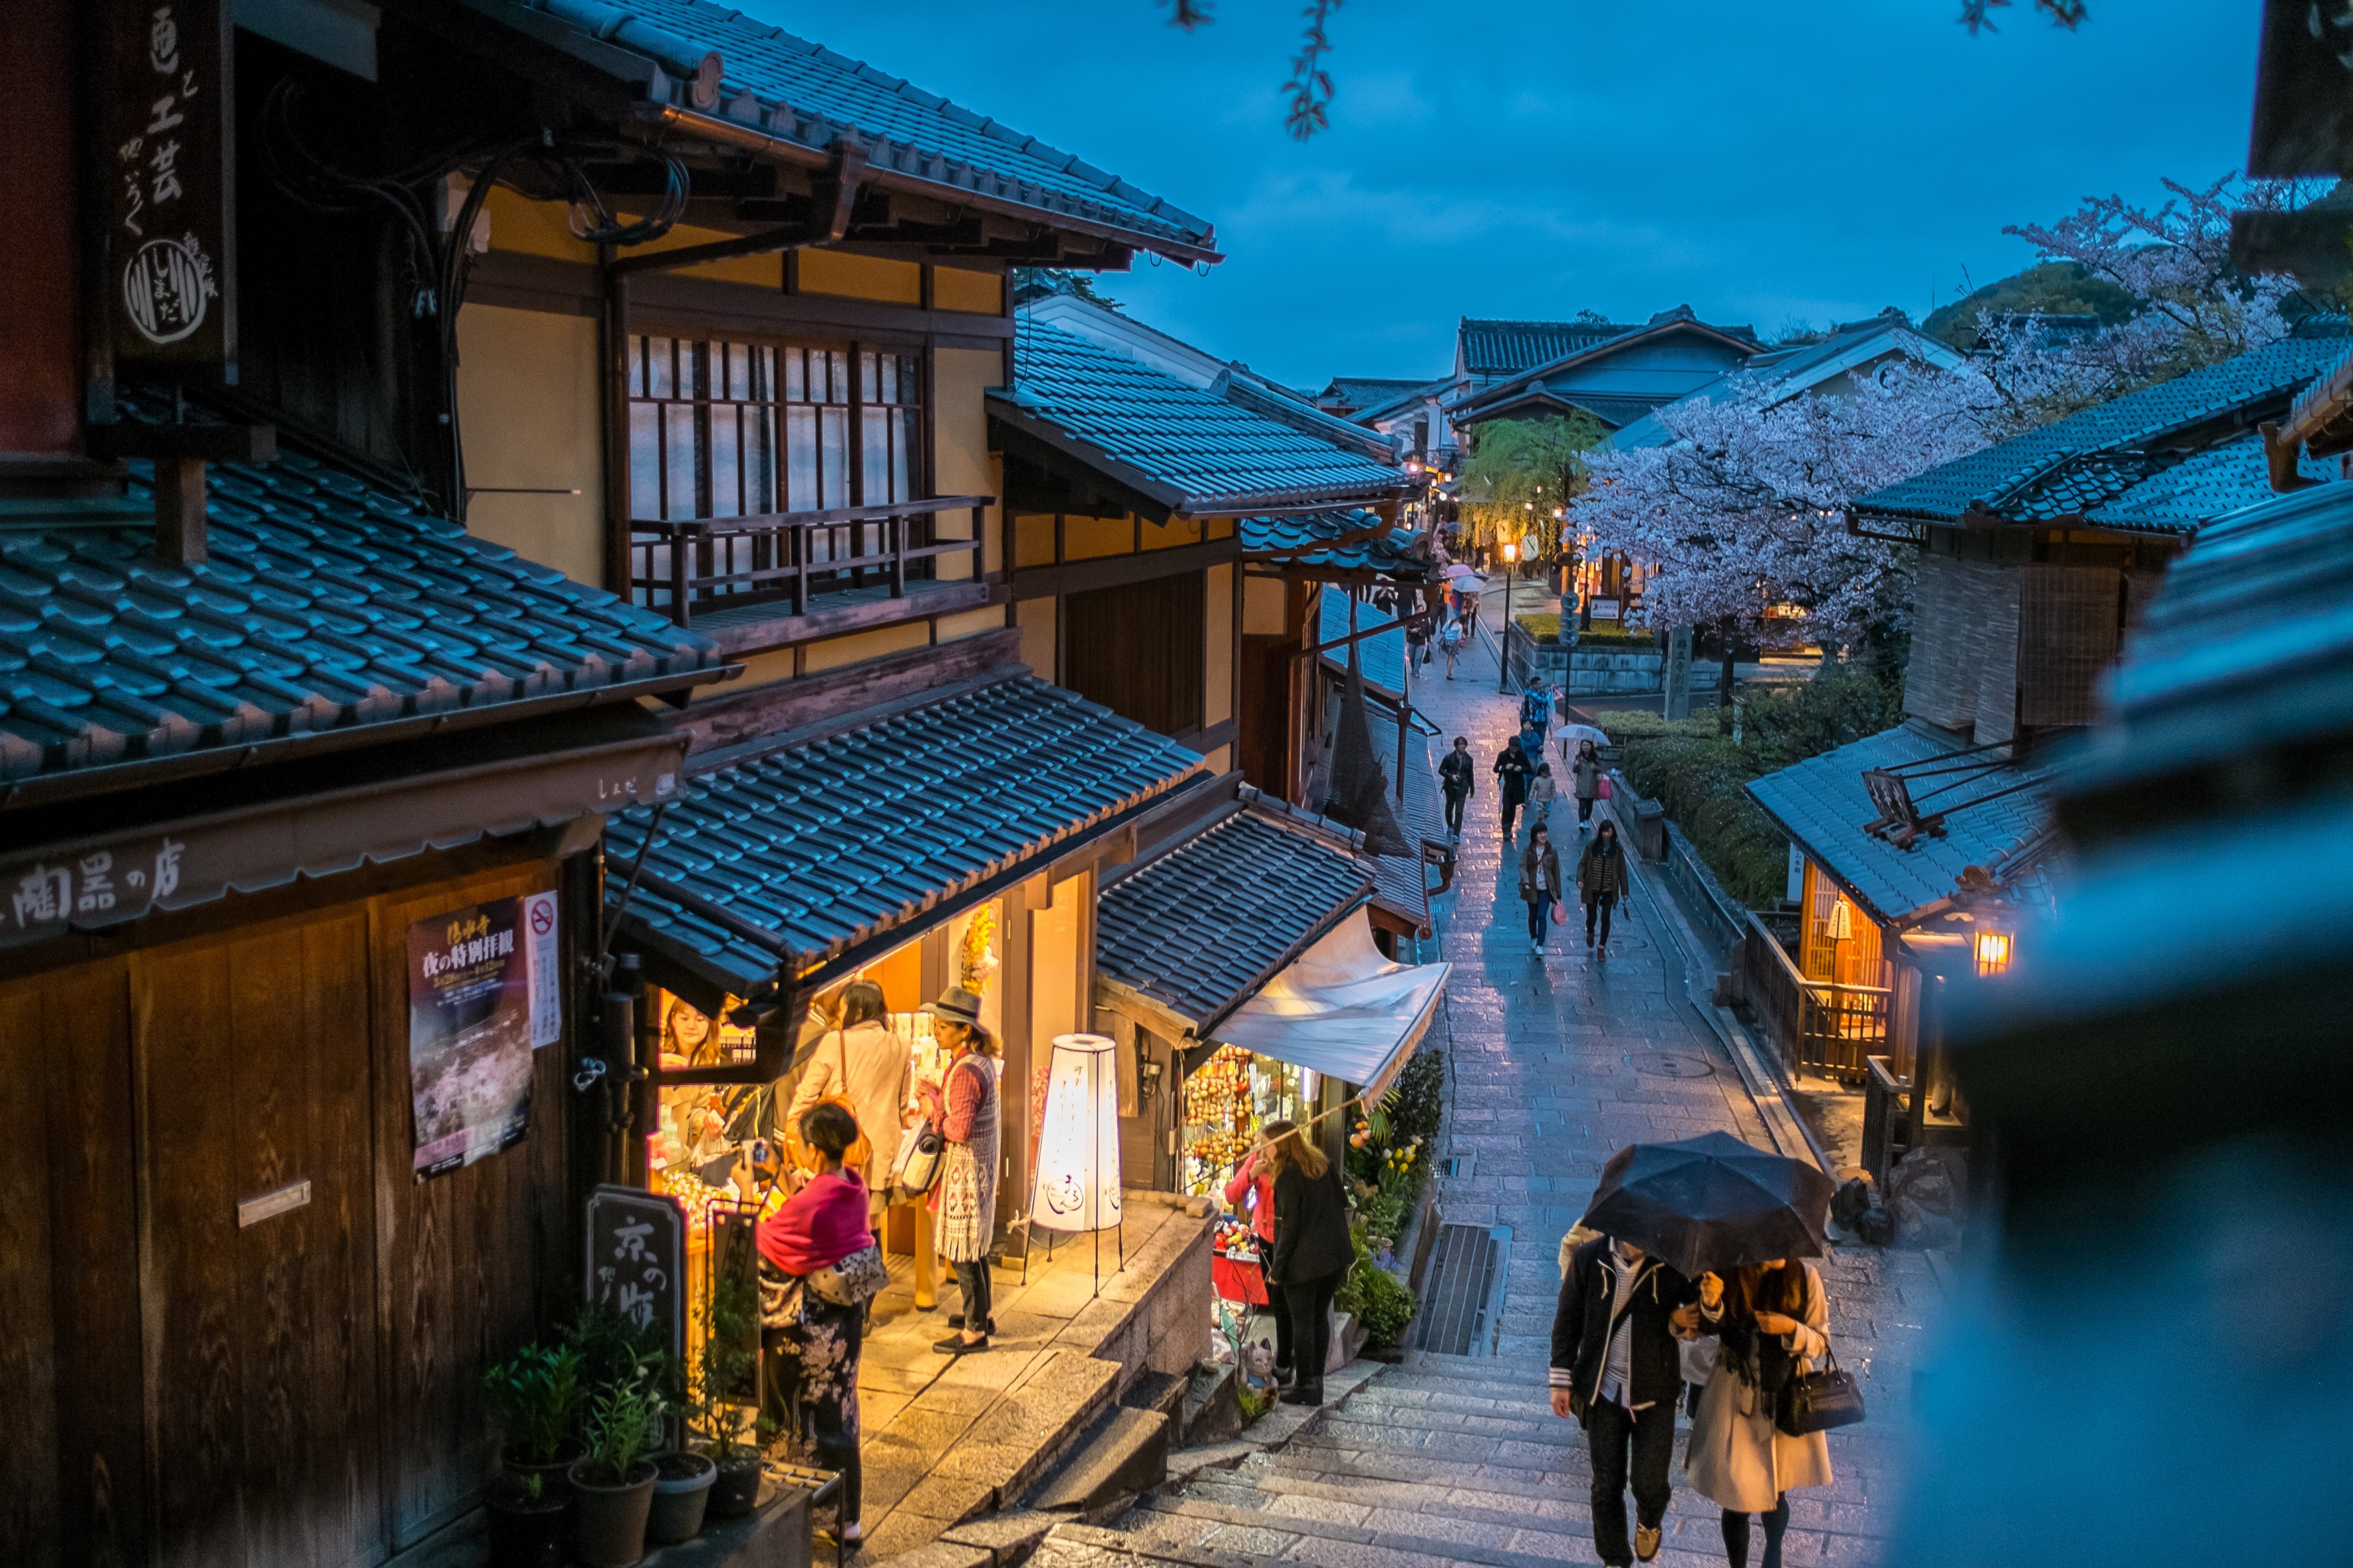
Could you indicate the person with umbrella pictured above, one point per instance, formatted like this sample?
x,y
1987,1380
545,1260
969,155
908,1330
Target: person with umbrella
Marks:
x,y
1713,1209
1772,1322
1587,771
1617,1369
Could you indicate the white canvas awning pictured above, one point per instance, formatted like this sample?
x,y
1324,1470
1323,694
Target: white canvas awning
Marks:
x,y
1341,1009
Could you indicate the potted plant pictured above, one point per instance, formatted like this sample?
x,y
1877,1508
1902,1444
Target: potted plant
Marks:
x,y
724,1380
535,1398
613,1482
682,1483
528,1515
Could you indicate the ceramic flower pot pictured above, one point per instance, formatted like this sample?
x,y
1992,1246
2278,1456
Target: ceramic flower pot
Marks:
x,y
681,1491
528,1531
521,1467
608,1522
736,1490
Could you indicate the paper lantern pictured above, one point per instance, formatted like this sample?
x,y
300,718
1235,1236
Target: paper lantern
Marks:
x,y
1077,1184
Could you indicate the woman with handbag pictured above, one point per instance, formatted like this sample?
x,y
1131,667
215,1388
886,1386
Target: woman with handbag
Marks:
x,y
964,1109
862,1065
1313,1252
1255,1181
1585,775
818,1268
1771,1322
1539,883
1602,881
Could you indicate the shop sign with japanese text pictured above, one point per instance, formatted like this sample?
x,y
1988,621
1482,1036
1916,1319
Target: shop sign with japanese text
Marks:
x,y
637,1259
469,1030
172,231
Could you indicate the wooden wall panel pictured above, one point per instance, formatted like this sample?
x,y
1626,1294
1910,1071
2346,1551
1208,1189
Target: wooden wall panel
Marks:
x,y
2070,623
29,1503
104,1487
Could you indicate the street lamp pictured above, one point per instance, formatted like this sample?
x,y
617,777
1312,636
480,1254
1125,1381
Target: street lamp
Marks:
x,y
1504,644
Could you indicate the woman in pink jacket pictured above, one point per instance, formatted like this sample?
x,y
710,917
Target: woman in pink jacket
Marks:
x,y
1256,1180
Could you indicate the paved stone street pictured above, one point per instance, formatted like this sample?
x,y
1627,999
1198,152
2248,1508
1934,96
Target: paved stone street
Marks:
x,y
1557,1063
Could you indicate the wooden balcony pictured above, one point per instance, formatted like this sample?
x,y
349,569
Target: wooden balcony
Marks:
x,y
1816,1023
858,565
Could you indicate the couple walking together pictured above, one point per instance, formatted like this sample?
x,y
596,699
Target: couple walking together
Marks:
x,y
1602,881
1628,1331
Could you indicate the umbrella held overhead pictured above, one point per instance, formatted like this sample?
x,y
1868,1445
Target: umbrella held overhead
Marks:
x,y
1711,1203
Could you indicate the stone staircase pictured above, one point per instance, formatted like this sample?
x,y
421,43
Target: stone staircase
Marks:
x,y
1445,1459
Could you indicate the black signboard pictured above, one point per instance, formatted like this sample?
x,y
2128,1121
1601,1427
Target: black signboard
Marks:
x,y
637,1259
172,253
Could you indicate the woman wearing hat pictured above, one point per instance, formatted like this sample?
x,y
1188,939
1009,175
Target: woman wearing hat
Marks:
x,y
964,1108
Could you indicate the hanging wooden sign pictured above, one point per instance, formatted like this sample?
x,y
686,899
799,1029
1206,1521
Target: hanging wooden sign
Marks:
x,y
171,255
637,1259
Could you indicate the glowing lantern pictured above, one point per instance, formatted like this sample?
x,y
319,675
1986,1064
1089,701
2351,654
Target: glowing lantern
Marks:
x,y
1992,951
1077,1184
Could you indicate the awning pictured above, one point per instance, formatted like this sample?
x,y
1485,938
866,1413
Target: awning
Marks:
x,y
329,815
801,854
1342,1009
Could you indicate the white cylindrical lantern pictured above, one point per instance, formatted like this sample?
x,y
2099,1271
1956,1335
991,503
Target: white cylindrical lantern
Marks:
x,y
1077,1184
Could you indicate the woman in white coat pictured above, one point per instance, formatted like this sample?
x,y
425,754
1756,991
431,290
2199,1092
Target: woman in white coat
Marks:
x,y
1772,1322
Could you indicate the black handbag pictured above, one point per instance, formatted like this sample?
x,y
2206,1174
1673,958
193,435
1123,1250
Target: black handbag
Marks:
x,y
1817,1400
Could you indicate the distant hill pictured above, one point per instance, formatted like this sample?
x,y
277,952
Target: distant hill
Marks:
x,y
2054,288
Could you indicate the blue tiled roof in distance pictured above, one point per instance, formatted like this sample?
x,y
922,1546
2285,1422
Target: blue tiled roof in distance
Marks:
x,y
2009,479
323,605
1381,656
809,95
830,842
1821,802
1199,929
1196,449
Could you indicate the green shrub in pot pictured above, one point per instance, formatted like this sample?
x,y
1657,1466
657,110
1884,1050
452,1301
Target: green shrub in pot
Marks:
x,y
725,1374
535,1397
613,1481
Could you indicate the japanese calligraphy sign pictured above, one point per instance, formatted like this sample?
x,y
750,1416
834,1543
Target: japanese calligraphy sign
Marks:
x,y
171,255
469,1035
637,1259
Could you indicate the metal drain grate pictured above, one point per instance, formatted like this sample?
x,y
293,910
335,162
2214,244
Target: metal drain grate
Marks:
x,y
1453,1316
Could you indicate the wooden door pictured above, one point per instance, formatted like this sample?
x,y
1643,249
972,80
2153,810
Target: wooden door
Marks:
x,y
253,1074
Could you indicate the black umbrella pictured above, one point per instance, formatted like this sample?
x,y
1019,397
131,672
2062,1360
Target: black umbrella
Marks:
x,y
1710,1203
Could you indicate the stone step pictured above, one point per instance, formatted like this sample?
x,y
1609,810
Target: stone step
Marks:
x,y
1390,1538
1124,1453
1339,1466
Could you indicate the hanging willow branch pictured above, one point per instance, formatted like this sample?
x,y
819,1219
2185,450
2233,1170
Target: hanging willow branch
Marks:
x,y
1310,85
1977,16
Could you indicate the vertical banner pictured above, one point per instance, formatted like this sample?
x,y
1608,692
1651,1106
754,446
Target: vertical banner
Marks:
x,y
546,970
469,1028
637,1259
171,206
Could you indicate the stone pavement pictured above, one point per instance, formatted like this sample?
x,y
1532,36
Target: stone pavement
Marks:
x,y
1557,1062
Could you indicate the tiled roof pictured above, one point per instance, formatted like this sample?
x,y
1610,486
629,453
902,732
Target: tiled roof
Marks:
x,y
1201,927
1381,655
323,607
830,842
802,93
1499,348
1194,449
1354,541
2182,497
2248,643
1362,392
2041,474
1821,802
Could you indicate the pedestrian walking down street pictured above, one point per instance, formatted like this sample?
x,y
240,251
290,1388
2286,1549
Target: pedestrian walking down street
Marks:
x,y
1542,792
964,1108
1311,1253
1457,776
1539,883
1512,768
1535,713
1257,1178
1772,1322
1602,881
813,1313
1450,643
1616,1368
1586,772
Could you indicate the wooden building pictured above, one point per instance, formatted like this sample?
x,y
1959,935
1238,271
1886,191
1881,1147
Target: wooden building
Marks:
x,y
1615,373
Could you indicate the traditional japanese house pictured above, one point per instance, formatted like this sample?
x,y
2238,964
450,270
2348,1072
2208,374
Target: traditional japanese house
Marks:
x,y
1236,963
303,788
1612,372
1913,851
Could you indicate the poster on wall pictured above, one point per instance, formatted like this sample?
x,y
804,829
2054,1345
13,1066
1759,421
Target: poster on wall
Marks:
x,y
469,1034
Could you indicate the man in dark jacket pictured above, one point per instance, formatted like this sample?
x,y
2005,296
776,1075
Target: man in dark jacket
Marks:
x,y
1455,777
1616,1367
1512,766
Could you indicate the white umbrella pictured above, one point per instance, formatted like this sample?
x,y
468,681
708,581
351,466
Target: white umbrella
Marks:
x,y
1572,733
1458,571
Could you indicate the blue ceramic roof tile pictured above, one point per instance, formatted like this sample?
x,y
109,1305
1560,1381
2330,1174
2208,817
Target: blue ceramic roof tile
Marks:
x,y
1199,929
1349,541
1206,453
1382,654
847,838
1821,802
804,93
2092,462
323,605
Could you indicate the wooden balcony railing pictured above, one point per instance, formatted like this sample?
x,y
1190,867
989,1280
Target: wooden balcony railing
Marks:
x,y
1829,1027
691,566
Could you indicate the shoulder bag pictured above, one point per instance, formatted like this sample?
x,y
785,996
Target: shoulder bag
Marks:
x,y
853,1281
860,1155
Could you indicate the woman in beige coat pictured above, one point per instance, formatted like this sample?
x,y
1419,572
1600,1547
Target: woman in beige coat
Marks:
x,y
866,1064
1773,1321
